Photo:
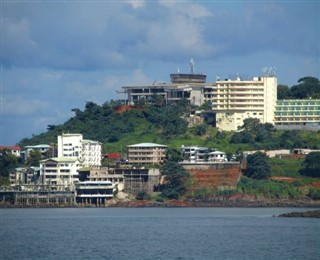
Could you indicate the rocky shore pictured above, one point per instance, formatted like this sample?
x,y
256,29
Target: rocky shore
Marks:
x,y
306,214
216,203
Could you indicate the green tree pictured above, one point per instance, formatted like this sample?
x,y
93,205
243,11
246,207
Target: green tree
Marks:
x,y
4,181
252,130
290,140
175,180
308,87
258,166
200,129
312,165
8,161
283,92
173,155
34,158
206,106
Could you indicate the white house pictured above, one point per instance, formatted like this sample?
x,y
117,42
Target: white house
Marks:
x,y
217,156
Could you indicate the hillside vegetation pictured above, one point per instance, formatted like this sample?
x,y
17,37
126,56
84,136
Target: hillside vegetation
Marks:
x,y
164,125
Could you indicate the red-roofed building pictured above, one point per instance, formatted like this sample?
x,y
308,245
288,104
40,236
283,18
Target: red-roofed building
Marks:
x,y
113,156
15,149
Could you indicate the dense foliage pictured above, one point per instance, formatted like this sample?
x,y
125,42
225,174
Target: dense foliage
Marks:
x,y
175,180
308,87
253,131
311,165
8,161
108,124
258,166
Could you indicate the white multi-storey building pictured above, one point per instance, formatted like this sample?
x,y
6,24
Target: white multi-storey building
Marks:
x,y
91,153
60,173
236,100
87,151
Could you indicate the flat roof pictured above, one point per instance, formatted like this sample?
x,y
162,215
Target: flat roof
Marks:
x,y
38,146
61,159
146,145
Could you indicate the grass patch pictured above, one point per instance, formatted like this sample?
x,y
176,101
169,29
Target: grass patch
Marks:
x,y
268,189
285,167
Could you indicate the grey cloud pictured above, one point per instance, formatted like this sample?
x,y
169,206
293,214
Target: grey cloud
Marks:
x,y
101,35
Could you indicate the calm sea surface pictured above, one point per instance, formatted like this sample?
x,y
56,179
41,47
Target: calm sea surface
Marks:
x,y
157,233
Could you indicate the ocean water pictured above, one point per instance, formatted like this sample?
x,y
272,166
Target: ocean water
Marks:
x,y
157,233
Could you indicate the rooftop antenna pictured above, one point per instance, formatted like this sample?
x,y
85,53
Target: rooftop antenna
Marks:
x,y
191,64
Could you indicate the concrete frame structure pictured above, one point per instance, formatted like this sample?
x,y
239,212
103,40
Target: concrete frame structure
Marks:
x,y
94,192
24,175
182,86
146,153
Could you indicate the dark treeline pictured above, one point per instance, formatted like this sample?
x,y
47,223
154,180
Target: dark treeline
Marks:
x,y
308,87
107,123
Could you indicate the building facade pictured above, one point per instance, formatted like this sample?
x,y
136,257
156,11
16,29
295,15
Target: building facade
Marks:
x,y
87,151
236,100
297,113
146,153
194,153
60,173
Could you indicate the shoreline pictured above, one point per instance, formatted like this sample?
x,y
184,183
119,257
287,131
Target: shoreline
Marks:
x,y
264,203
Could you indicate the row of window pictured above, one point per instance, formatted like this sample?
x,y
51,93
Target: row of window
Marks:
x,y
298,119
299,103
297,113
298,108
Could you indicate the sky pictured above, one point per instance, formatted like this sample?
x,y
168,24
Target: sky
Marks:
x,y
58,55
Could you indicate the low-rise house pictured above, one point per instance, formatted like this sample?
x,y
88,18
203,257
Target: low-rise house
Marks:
x,y
15,149
217,156
146,153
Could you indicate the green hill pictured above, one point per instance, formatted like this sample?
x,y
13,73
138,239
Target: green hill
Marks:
x,y
117,126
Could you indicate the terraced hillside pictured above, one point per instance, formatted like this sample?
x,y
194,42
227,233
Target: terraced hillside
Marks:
x,y
214,177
